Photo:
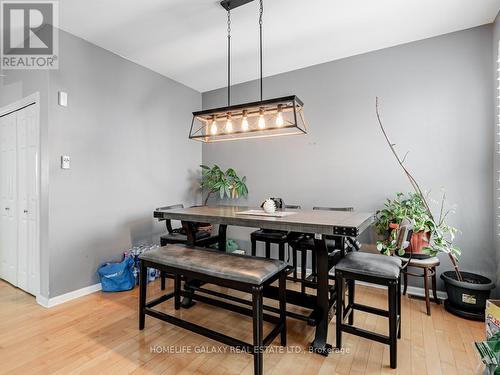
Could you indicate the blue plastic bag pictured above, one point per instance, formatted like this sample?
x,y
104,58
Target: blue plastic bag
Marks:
x,y
117,277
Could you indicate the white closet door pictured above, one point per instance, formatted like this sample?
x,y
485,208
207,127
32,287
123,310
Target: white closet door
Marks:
x,y
27,177
8,198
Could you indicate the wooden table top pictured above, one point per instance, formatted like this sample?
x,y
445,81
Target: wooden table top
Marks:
x,y
307,221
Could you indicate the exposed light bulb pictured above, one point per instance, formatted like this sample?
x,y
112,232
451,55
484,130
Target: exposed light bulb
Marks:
x,y
244,122
213,127
262,121
279,117
229,124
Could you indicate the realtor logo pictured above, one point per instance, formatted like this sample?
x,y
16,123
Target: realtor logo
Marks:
x,y
29,37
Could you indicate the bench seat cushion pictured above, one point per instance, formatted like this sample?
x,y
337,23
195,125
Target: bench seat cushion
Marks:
x,y
241,268
367,264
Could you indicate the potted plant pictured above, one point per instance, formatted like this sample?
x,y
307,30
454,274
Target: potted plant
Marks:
x,y
388,219
467,292
226,184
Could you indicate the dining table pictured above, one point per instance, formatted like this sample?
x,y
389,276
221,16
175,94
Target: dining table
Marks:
x,y
320,224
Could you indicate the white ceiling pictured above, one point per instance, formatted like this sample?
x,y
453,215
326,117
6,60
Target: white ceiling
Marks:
x,y
186,39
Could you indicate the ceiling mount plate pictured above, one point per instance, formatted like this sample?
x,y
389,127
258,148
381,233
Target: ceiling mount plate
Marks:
x,y
232,4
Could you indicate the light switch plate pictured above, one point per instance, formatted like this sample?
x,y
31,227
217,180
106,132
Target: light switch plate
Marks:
x,y
65,162
63,99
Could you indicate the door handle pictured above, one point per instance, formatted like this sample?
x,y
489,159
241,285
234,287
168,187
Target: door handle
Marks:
x,y
25,211
7,208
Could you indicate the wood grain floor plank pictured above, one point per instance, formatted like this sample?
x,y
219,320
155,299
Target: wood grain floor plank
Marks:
x,y
98,334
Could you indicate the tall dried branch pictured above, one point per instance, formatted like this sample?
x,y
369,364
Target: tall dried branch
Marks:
x,y
413,182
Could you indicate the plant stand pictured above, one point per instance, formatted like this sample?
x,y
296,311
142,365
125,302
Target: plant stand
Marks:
x,y
428,267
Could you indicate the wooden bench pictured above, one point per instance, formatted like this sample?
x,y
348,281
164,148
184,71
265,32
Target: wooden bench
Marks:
x,y
239,272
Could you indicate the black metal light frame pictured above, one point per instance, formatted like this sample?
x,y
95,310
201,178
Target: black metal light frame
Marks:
x,y
291,107
289,119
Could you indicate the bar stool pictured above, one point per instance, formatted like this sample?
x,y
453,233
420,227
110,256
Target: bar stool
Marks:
x,y
374,269
303,243
428,267
269,237
177,235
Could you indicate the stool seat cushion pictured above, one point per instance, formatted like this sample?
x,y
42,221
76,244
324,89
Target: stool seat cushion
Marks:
x,y
176,237
241,268
269,235
367,264
422,263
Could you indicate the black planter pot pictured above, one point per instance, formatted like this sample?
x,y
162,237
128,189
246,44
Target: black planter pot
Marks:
x,y
467,298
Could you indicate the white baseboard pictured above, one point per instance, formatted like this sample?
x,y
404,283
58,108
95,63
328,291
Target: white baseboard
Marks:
x,y
54,301
411,290
51,302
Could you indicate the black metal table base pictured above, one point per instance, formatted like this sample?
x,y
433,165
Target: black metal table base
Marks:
x,y
321,305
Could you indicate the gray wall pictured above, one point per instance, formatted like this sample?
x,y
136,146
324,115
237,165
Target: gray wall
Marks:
x,y
125,130
436,104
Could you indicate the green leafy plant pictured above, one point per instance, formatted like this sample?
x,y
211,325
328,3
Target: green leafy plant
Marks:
x,y
442,235
395,210
226,184
412,207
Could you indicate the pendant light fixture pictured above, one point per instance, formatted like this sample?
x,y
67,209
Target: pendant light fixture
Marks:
x,y
263,118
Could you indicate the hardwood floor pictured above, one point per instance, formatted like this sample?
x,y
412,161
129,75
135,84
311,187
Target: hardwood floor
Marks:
x,y
98,334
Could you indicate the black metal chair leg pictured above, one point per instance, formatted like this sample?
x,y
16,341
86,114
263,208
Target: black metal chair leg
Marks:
x,y
282,307
162,276
405,282
281,251
313,263
294,257
177,291
393,325
258,331
398,291
351,286
339,314
143,285
303,268
254,247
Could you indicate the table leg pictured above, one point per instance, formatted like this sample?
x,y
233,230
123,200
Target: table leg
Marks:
x,y
222,237
187,300
319,345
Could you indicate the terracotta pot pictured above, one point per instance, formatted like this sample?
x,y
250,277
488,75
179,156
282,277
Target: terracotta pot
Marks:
x,y
393,226
418,241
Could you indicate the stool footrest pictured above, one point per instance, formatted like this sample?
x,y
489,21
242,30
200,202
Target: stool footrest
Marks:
x,y
161,299
199,329
232,307
366,334
369,309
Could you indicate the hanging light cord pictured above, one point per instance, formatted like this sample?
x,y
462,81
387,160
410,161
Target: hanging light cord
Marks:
x,y
261,12
229,57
